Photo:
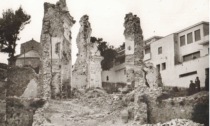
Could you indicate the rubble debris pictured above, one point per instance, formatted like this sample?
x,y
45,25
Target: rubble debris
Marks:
x,y
176,122
194,107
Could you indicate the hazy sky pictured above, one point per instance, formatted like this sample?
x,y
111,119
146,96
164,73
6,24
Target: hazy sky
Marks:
x,y
158,17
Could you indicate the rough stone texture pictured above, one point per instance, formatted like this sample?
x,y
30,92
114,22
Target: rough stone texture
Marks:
x,y
19,111
133,32
195,107
2,103
133,36
3,71
142,96
129,59
80,71
56,50
20,80
152,76
138,73
176,122
3,75
94,66
87,68
21,96
130,75
38,117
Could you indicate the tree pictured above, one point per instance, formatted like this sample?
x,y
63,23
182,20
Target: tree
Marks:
x,y
106,51
11,24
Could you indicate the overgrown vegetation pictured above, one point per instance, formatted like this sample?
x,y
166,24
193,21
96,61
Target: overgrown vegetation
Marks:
x,y
107,51
11,23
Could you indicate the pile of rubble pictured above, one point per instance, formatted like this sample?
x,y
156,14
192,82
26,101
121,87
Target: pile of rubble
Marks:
x,y
176,122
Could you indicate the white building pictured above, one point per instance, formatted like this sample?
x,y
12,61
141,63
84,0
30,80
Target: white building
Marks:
x,y
180,57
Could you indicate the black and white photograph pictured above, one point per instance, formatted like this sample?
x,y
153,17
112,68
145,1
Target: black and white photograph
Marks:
x,y
104,62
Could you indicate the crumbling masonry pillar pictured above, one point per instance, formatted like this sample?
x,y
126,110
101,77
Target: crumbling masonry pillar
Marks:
x,y
142,75
56,50
87,68
80,70
133,50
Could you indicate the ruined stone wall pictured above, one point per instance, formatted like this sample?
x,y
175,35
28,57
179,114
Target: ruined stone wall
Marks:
x,y
80,71
94,66
3,75
134,50
143,76
2,103
87,68
195,107
23,89
133,37
56,50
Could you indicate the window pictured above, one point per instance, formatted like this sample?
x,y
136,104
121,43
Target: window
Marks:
x,y
191,56
182,40
160,50
158,67
107,78
163,66
197,35
147,50
189,38
187,74
206,30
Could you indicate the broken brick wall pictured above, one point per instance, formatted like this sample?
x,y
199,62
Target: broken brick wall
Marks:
x,y
56,50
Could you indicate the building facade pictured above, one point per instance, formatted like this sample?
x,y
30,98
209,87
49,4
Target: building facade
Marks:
x,y
180,57
29,54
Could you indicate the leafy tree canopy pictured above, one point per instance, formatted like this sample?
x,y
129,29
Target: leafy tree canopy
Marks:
x,y
11,24
107,51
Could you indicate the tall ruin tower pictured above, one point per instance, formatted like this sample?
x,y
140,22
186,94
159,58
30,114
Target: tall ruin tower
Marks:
x,y
87,68
133,40
133,49
80,70
56,50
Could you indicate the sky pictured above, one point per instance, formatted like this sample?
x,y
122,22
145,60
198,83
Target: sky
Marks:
x,y
158,18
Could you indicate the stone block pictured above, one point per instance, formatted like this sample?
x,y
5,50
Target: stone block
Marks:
x,y
195,107
22,82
